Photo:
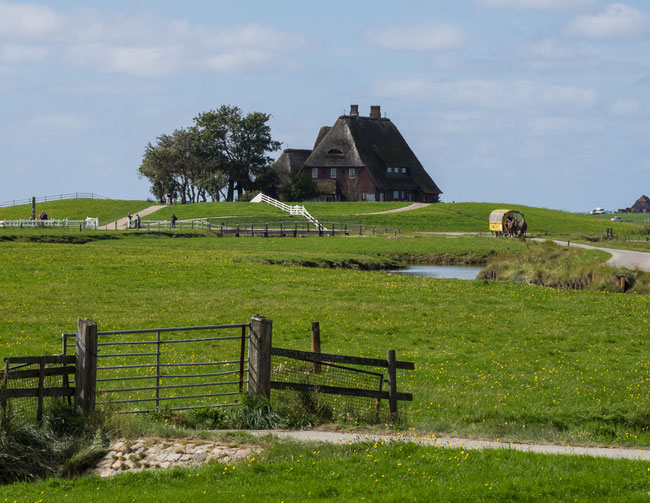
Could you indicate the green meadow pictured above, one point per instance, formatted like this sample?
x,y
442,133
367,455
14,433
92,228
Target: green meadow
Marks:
x,y
363,472
493,359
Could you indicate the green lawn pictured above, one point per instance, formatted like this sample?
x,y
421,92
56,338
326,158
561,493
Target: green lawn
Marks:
x,y
364,472
107,210
503,360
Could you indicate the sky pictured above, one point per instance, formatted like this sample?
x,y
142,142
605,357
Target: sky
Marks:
x,y
537,102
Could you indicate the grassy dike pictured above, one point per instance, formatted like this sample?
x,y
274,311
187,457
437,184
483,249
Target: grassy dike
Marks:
x,y
498,360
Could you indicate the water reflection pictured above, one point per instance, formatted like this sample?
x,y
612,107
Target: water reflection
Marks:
x,y
442,271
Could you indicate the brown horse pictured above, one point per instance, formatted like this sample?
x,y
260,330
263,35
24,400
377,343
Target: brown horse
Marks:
x,y
511,226
522,227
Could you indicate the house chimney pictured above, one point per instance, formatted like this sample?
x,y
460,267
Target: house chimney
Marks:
x,y
375,112
354,110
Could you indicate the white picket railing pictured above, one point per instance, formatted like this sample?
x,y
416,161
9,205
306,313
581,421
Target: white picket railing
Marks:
x,y
291,209
88,223
46,199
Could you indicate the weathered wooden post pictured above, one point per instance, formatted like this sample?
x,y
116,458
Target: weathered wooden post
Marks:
x,y
392,386
33,217
259,356
315,345
86,371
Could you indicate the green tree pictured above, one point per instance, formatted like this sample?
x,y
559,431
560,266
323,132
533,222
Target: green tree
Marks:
x,y
238,144
301,187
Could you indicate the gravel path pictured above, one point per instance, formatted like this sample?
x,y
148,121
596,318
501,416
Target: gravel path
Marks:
x,y
451,442
620,258
414,206
122,222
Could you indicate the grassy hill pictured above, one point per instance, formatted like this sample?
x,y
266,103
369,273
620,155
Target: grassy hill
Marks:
x,y
107,210
440,217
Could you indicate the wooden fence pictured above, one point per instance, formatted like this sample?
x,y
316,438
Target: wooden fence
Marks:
x,y
16,379
84,366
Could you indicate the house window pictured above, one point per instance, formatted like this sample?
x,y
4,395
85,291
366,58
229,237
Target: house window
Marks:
x,y
335,152
403,195
352,173
332,172
314,172
396,195
403,171
389,170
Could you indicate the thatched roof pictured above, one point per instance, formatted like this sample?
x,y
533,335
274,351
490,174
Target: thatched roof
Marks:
x,y
291,161
374,143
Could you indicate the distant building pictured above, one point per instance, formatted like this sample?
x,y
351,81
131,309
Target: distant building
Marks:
x,y
361,159
642,205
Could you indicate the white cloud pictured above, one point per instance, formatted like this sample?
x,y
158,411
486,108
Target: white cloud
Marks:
x,y
615,21
625,107
561,125
495,95
561,55
548,5
56,122
140,46
430,37
28,20
15,53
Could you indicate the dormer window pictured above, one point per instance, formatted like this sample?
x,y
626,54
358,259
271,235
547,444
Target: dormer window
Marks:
x,y
389,170
335,152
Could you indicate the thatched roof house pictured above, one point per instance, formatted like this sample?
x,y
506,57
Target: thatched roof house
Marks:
x,y
642,205
362,158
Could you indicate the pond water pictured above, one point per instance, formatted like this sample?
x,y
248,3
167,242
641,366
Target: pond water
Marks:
x,y
442,271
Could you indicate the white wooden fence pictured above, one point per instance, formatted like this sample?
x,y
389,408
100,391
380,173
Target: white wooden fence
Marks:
x,y
88,223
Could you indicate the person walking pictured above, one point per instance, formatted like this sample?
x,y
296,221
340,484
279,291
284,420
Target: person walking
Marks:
x,y
137,221
174,218
128,221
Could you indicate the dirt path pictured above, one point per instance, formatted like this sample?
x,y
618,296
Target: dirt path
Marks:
x,y
122,222
414,206
451,442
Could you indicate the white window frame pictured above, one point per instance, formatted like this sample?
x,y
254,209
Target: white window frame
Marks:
x,y
333,173
314,172
396,195
403,171
389,170
352,174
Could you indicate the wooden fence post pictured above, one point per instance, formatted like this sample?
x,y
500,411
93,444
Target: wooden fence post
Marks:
x,y
315,345
86,366
392,386
259,356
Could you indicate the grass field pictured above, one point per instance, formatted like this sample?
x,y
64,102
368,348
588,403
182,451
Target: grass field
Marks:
x,y
107,210
364,472
441,217
492,359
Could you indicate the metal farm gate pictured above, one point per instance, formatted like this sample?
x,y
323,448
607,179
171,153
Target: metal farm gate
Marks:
x,y
176,368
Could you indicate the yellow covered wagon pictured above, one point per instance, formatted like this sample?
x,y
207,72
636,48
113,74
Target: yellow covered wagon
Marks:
x,y
507,222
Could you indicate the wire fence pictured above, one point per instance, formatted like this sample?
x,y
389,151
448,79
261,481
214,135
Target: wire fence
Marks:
x,y
58,197
321,375
31,385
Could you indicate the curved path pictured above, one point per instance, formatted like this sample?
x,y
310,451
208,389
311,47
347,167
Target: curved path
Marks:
x,y
452,442
414,206
121,224
620,258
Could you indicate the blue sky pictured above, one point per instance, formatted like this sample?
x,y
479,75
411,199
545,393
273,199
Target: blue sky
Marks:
x,y
540,102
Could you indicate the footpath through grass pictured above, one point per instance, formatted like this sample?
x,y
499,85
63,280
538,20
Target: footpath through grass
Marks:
x,y
364,472
493,359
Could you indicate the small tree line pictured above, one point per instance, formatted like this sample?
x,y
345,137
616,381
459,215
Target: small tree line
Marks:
x,y
224,154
